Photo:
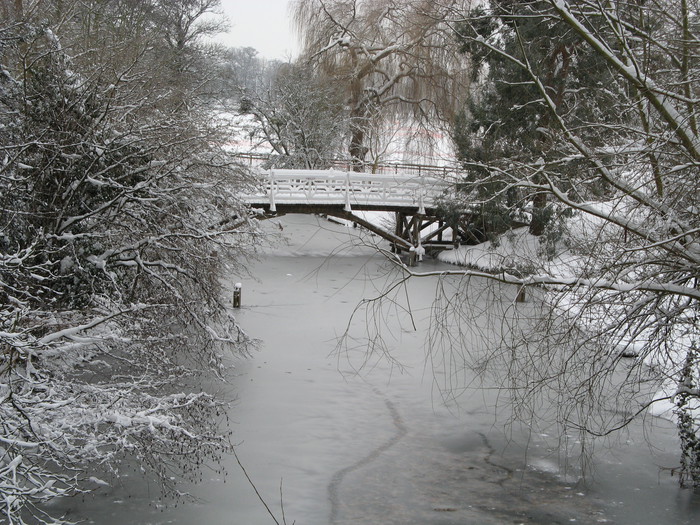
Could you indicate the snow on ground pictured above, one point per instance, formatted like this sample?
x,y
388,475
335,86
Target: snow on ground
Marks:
x,y
516,251
512,250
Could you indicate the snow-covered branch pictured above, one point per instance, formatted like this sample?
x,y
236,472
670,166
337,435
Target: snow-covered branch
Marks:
x,y
114,169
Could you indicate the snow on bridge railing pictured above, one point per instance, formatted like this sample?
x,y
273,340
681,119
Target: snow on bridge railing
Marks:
x,y
348,188
268,161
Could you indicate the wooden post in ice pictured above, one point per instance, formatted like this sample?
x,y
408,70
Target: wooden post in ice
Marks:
x,y
237,295
412,256
520,298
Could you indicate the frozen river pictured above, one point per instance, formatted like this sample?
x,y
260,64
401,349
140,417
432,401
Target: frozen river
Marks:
x,y
341,438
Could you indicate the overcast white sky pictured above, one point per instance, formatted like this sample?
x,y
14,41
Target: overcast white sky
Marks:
x,y
262,24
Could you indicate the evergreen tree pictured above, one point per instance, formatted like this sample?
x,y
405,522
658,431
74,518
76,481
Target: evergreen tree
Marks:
x,y
506,122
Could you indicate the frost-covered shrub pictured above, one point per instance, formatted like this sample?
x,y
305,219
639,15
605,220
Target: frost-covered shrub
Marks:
x,y
113,240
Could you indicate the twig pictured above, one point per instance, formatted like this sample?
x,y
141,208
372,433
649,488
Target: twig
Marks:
x,y
257,493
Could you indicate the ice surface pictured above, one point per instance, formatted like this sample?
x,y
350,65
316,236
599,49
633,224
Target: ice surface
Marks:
x,y
352,438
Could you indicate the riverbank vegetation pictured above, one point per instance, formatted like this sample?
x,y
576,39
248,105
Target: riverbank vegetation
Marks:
x,y
114,191
586,118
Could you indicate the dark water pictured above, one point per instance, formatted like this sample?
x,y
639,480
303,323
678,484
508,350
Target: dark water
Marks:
x,y
350,438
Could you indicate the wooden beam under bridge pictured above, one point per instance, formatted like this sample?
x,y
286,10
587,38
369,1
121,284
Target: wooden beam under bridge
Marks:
x,y
409,231
392,238
409,226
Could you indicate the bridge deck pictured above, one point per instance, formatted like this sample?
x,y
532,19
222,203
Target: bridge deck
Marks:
x,y
351,190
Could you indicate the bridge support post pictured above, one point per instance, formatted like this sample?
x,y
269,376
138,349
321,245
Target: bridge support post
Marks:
x,y
417,221
348,206
273,208
398,231
412,257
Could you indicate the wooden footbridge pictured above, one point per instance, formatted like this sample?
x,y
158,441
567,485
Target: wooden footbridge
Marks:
x,y
412,193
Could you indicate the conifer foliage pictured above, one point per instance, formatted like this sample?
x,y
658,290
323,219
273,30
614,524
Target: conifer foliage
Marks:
x,y
506,117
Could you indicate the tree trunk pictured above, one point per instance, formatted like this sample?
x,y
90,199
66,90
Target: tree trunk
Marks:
x,y
687,44
539,217
358,122
357,148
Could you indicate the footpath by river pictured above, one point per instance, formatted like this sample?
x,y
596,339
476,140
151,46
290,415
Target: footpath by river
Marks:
x,y
356,438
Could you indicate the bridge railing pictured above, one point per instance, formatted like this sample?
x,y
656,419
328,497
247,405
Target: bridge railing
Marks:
x,y
402,168
348,188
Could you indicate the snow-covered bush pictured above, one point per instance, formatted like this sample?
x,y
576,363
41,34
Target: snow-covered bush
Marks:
x,y
114,204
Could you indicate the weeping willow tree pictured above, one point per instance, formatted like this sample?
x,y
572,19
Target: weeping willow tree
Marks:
x,y
395,59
